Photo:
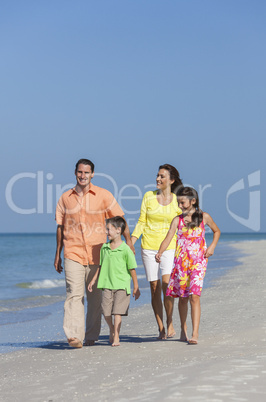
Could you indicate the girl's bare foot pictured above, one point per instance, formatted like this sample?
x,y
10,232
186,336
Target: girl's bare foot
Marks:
x,y
170,331
193,341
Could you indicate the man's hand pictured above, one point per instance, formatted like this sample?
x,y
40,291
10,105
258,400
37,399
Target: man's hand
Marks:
x,y
58,264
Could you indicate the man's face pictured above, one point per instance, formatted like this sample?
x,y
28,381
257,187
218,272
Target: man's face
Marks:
x,y
83,175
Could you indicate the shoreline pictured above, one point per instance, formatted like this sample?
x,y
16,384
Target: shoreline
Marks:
x,y
39,299
229,363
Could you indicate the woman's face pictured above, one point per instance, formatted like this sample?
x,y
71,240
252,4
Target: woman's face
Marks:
x,y
163,179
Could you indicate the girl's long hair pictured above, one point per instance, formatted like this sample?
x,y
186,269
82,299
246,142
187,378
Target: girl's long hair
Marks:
x,y
174,175
197,216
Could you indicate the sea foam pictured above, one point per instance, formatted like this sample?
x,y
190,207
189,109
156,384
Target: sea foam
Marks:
x,y
44,284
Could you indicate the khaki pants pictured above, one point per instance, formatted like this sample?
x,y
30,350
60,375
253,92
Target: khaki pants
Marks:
x,y
78,276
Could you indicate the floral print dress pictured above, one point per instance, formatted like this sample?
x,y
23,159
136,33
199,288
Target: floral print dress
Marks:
x,y
189,263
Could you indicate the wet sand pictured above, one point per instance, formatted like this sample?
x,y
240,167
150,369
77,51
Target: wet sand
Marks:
x,y
228,364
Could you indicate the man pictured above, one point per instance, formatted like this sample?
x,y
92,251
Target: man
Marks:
x,y
80,217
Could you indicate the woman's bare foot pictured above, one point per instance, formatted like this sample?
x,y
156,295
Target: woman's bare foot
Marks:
x,y
162,335
75,343
116,344
183,336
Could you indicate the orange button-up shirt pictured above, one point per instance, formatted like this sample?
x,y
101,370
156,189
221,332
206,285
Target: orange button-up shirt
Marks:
x,y
83,218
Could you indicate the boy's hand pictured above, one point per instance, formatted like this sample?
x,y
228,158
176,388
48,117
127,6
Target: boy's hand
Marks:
x,y
158,257
90,285
136,293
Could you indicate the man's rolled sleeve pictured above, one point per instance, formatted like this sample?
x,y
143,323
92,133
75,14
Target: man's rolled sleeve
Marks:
x,y
60,212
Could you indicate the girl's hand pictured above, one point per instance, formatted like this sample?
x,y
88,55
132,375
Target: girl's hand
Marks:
x,y
209,252
90,285
136,293
158,257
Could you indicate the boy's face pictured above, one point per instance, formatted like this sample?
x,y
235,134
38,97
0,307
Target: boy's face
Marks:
x,y
112,232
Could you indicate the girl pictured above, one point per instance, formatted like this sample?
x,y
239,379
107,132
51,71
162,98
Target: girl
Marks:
x,y
191,257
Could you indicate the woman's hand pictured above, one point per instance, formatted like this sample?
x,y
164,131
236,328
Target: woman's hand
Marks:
x,y
158,257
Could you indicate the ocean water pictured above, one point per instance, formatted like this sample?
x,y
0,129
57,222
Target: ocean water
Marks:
x,y
31,290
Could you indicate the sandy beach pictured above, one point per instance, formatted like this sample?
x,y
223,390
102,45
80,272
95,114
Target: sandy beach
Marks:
x,y
228,364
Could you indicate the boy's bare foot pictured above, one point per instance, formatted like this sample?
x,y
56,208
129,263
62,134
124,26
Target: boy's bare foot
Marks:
x,y
116,341
183,336
75,343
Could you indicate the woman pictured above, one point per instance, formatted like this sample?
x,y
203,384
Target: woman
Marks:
x,y
158,209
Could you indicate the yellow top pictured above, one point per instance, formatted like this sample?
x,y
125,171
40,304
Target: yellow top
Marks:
x,y
155,220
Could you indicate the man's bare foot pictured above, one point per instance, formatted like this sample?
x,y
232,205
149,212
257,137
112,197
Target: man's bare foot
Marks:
x,y
162,335
74,343
183,336
89,343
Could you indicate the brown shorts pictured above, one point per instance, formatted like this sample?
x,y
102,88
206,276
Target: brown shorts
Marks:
x,y
115,302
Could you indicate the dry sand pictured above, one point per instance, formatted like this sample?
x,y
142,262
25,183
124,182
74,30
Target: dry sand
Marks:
x,y
228,364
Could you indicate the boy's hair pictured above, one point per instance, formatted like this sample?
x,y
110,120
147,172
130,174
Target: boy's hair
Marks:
x,y
197,216
117,222
85,162
174,175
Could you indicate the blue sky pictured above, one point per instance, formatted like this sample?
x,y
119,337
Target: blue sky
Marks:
x,y
131,85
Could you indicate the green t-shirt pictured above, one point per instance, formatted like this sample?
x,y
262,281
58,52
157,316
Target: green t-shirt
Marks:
x,y
115,266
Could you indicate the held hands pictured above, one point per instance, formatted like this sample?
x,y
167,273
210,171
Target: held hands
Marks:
x,y
90,285
136,293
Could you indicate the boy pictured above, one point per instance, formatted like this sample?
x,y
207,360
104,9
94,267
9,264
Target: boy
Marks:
x,y
117,267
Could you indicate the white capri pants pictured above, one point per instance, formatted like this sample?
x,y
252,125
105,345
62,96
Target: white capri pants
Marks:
x,y
152,268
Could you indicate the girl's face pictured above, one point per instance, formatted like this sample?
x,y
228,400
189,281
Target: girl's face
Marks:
x,y
186,204
163,179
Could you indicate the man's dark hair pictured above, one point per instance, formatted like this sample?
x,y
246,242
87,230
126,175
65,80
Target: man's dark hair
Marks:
x,y
85,162
117,222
